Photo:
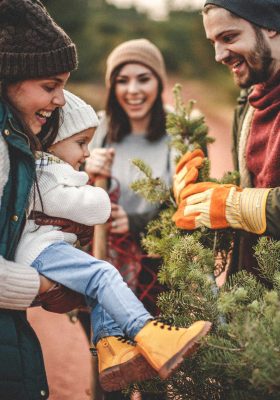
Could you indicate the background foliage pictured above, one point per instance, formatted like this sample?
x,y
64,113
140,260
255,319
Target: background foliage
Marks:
x,y
97,27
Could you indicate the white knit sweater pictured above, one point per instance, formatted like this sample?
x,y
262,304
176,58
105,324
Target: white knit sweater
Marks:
x,y
65,193
19,284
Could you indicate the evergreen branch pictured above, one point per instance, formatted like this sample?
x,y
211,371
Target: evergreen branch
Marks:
x,y
234,350
267,252
152,189
240,359
187,130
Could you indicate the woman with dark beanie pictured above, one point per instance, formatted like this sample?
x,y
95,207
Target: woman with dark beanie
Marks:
x,y
36,58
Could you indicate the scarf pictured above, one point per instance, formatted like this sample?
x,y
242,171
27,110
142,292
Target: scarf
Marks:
x,y
263,146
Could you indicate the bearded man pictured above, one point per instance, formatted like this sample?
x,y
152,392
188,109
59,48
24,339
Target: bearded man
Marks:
x,y
246,38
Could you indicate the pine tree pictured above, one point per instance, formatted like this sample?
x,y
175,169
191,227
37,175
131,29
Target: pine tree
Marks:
x,y
240,359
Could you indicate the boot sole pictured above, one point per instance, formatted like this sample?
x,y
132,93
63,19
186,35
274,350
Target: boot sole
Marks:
x,y
186,351
118,377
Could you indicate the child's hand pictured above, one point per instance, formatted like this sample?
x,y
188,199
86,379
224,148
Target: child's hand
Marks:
x,y
100,163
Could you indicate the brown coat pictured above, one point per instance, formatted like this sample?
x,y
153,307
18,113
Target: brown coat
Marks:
x,y
243,253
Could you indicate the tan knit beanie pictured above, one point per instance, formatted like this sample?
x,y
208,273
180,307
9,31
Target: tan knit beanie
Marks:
x,y
139,51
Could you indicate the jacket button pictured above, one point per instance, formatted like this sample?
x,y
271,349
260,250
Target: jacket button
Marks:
x,y
6,132
15,218
43,393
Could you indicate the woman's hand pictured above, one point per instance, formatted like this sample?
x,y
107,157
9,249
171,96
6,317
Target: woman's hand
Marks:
x,y
119,223
100,163
45,284
84,232
57,298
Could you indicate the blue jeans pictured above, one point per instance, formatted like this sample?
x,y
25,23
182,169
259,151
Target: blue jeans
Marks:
x,y
115,310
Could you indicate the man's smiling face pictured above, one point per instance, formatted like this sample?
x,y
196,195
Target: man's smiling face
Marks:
x,y
239,45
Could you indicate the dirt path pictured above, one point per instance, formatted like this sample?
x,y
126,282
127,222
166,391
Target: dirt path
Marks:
x,y
66,354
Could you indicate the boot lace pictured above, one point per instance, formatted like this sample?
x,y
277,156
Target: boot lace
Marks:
x,y
126,339
165,323
93,351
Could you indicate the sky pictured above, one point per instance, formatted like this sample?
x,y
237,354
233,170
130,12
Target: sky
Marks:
x,y
156,8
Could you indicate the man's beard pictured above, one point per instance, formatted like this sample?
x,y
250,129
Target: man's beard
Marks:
x,y
258,63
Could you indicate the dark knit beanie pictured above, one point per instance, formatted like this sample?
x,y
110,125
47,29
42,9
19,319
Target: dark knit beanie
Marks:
x,y
265,13
32,45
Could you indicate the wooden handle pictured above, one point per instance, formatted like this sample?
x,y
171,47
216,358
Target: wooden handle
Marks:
x,y
100,231
100,252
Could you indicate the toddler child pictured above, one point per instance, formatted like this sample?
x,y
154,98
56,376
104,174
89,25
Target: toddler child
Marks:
x,y
116,313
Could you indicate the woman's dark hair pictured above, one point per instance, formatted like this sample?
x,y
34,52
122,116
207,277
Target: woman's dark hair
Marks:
x,y
49,131
119,125
36,142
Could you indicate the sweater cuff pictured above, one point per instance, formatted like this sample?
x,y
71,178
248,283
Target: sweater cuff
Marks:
x,y
19,284
273,213
253,209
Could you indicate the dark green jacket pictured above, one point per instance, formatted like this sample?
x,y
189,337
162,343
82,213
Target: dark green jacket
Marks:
x,y
22,372
242,256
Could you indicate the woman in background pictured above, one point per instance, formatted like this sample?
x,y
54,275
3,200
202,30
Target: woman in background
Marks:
x,y
132,127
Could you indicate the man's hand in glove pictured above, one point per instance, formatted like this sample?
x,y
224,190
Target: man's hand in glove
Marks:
x,y
83,232
218,206
187,171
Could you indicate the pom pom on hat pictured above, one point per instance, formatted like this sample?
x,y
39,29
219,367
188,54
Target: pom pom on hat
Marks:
x,y
76,116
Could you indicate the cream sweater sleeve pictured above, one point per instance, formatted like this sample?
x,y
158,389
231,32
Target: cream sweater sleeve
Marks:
x,y
65,194
19,284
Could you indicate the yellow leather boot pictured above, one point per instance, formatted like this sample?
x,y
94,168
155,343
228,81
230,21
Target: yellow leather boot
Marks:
x,y
165,346
120,363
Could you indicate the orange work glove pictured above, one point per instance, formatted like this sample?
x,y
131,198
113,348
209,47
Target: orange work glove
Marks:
x,y
187,171
221,206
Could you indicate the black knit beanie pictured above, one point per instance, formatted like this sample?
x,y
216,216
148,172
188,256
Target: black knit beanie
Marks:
x,y
32,45
265,13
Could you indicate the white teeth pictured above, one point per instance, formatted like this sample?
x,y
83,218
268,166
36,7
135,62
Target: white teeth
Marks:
x,y
135,102
235,65
44,114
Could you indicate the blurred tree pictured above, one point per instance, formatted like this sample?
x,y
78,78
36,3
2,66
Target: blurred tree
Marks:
x,y
97,27
73,16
